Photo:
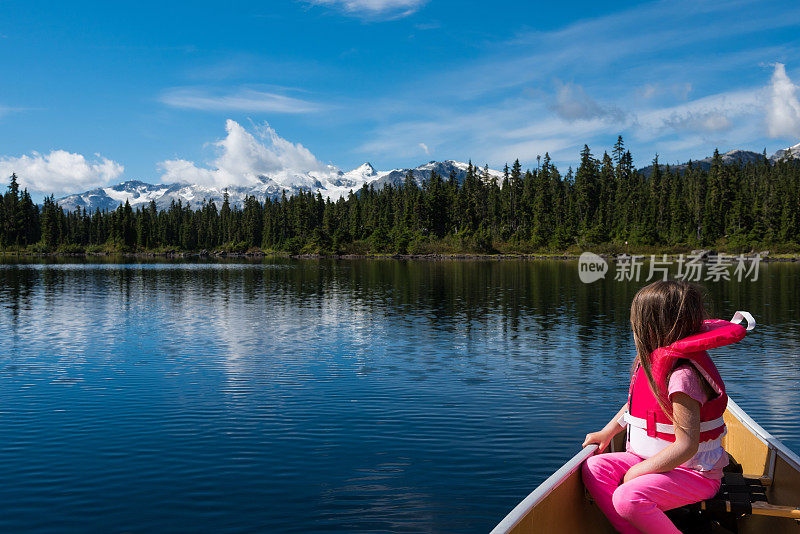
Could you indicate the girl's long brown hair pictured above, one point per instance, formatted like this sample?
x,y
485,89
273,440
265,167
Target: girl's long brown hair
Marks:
x,y
661,314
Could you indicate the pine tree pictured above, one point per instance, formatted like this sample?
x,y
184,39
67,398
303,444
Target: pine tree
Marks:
x,y
587,191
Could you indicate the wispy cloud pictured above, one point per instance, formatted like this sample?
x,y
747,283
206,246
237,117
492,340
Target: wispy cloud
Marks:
x,y
526,127
431,25
572,103
707,114
663,89
653,90
59,171
6,110
237,100
373,9
708,121
625,43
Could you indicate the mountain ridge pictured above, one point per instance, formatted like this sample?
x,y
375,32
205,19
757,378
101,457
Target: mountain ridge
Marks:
x,y
732,157
334,185
331,183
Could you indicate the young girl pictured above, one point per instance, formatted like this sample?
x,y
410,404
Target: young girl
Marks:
x,y
674,414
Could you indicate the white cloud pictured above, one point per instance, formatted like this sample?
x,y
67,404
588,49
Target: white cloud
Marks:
x,y
783,109
424,148
392,9
710,114
60,172
572,103
243,157
239,100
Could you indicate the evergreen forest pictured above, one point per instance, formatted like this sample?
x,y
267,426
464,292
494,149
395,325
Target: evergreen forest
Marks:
x,y
602,205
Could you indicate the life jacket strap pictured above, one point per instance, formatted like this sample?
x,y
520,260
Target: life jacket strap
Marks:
x,y
662,428
740,316
645,446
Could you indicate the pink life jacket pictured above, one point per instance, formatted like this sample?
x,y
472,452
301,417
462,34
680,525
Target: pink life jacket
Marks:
x,y
650,430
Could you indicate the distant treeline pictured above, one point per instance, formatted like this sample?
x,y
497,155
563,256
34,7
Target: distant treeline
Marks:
x,y
604,203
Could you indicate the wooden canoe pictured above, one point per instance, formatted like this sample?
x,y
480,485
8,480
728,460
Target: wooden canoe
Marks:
x,y
560,504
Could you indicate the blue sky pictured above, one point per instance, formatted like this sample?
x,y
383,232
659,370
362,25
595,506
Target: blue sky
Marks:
x,y
94,93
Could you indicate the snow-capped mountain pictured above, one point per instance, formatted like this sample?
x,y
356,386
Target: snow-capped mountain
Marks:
x,y
785,152
733,157
359,175
141,193
423,172
332,184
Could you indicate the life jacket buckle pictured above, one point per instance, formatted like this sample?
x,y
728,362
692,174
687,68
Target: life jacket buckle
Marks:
x,y
651,423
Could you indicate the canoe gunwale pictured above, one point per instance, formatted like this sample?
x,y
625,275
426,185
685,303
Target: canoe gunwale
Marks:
x,y
774,444
542,491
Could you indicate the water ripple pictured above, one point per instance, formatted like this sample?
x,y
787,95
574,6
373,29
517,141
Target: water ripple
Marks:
x,y
297,396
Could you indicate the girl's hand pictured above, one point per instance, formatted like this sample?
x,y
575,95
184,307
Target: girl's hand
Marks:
x,y
636,470
602,438
687,435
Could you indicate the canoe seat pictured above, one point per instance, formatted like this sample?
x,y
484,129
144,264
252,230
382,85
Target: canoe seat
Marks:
x,y
736,495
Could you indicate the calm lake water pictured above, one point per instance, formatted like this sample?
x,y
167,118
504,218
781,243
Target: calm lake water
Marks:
x,y
311,396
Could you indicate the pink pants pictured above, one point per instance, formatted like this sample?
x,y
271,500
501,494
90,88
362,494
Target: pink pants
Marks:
x,y
638,506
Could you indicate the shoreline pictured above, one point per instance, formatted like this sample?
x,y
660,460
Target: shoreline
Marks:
x,y
706,256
